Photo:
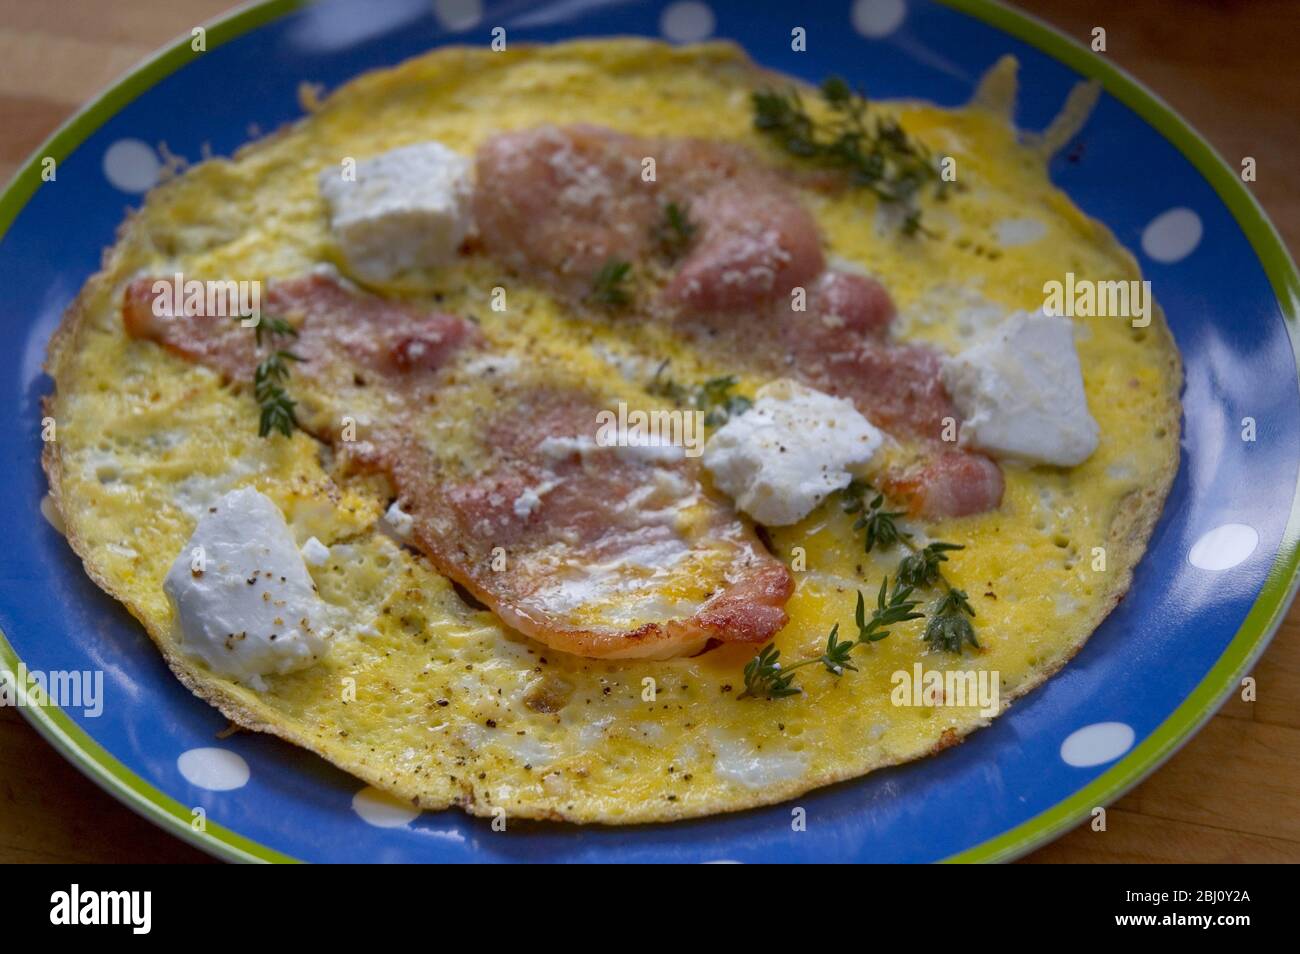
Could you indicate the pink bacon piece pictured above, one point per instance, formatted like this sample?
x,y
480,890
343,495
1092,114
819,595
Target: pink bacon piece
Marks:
x,y
593,533
557,203
841,348
582,528
755,245
839,345
340,336
853,306
950,484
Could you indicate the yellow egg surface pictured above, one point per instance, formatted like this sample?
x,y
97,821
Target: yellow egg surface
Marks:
x,y
437,702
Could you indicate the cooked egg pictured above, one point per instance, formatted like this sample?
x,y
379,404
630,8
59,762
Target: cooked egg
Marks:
x,y
426,695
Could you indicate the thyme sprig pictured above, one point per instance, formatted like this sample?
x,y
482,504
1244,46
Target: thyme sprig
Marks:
x,y
719,404
922,567
273,328
609,287
268,389
767,678
270,377
673,235
874,151
881,528
948,627
715,396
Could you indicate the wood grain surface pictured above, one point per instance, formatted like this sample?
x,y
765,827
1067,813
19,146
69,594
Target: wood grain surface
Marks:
x,y
1232,794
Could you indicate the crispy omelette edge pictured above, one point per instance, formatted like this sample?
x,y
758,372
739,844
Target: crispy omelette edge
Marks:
x,y
1130,531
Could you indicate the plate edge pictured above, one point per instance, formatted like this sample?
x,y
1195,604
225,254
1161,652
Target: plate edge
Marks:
x,y
1266,612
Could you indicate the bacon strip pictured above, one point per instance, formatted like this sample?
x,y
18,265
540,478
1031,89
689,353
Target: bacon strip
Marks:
x,y
342,337
608,552
950,484
557,203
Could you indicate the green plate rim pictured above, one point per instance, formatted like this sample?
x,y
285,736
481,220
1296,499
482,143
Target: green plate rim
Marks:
x,y
1249,642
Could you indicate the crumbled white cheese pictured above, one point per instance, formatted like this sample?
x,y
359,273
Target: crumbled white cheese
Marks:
x,y
244,601
407,208
795,446
398,522
315,552
1020,392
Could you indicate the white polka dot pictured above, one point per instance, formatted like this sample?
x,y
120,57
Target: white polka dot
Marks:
x,y
383,810
877,18
1224,547
458,14
132,165
1097,744
217,770
1172,236
686,22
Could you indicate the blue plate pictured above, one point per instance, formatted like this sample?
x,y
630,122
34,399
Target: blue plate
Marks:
x,y
1209,593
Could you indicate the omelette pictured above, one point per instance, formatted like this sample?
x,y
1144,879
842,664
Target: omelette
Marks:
x,y
614,432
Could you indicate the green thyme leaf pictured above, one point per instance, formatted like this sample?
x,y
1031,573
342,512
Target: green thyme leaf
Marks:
x,y
271,374
882,531
898,608
874,152
714,397
673,235
274,328
609,287
836,658
949,627
277,412
766,678
922,569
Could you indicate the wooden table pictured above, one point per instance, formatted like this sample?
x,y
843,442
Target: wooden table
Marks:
x,y
1233,794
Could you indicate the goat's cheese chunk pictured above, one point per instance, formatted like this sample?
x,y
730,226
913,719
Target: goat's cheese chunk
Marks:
x,y
784,455
244,601
1020,392
408,208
